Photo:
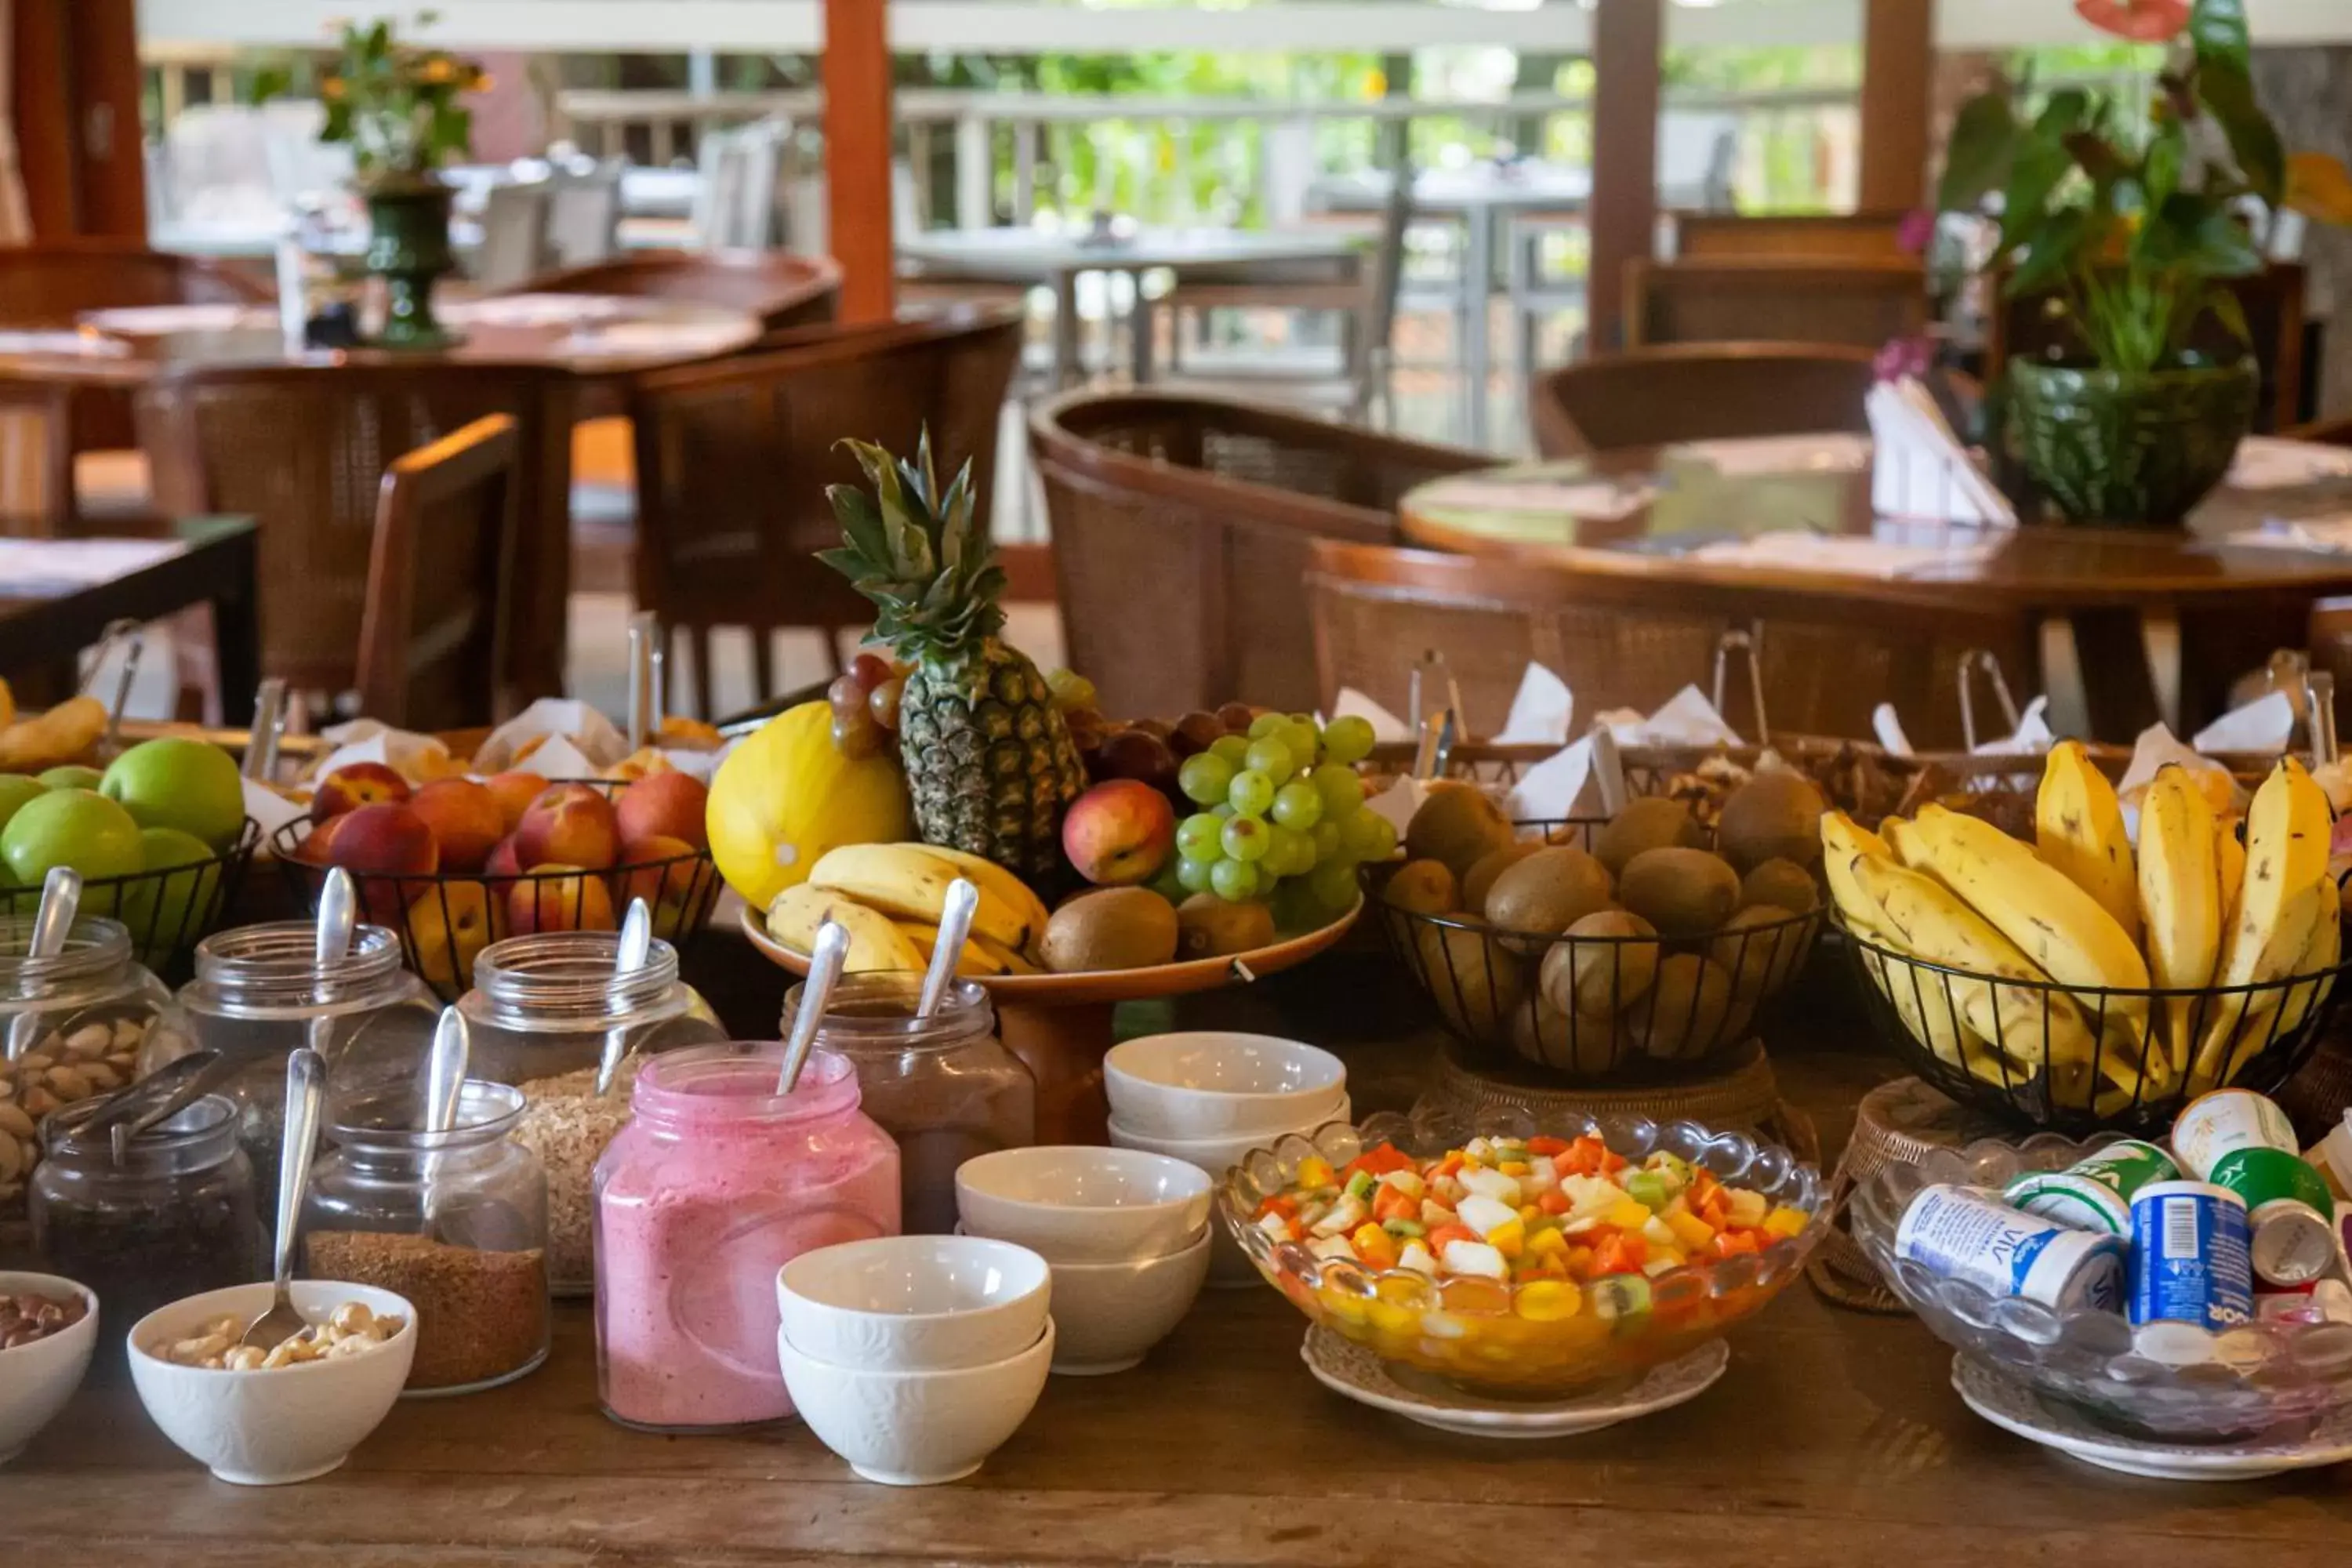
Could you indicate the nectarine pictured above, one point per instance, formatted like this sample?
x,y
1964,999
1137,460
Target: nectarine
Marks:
x,y
378,845
669,890
448,926
1119,832
664,805
502,861
570,824
356,785
514,793
558,898
465,819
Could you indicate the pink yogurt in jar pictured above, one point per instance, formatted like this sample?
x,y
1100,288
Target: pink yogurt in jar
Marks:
x,y
716,1183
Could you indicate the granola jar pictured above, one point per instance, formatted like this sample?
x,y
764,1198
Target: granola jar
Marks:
x,y
455,1221
72,1026
945,1087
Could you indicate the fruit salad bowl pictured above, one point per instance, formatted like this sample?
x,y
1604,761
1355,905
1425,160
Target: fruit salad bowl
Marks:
x,y
1530,1333
2246,1380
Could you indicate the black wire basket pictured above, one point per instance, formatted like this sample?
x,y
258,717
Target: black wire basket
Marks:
x,y
2077,1060
1595,1008
168,911
444,920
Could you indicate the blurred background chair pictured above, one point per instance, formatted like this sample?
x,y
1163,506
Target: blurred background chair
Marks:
x,y
782,289
514,236
1630,642
1699,392
735,200
733,458
1824,236
583,215
1181,525
1859,302
437,612
35,455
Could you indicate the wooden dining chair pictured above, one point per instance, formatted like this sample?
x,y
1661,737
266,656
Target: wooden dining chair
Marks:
x,y
36,455
1181,525
1700,392
438,610
733,458
1816,237
1625,639
782,290
303,450
1859,302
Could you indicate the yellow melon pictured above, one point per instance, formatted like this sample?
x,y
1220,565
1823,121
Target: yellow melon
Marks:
x,y
786,795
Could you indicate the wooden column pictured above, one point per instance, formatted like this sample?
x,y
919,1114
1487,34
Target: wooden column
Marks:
x,y
858,154
1624,208
108,139
1898,66
41,102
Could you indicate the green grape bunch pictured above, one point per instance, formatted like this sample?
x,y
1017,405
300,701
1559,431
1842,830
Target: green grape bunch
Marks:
x,y
1280,816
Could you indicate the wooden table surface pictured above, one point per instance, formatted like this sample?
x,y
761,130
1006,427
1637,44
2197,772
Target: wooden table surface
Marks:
x,y
1833,1438
43,623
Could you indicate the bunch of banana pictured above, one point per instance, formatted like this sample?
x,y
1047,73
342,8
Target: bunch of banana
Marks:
x,y
65,733
2056,945
891,897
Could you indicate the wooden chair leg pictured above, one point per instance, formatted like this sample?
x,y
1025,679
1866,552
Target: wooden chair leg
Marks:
x,y
706,684
764,664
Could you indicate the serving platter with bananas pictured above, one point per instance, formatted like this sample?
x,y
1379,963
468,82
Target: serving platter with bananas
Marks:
x,y
2082,980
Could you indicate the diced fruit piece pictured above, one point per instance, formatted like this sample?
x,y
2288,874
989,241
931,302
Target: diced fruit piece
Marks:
x,y
1785,1223
1548,1300
1475,1258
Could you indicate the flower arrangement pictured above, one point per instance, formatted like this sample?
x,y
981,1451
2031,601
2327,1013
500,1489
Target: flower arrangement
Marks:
x,y
397,105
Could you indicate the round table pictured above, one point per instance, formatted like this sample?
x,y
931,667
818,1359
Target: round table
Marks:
x,y
1793,514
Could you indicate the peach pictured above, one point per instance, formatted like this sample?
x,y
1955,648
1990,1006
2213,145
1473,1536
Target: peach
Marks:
x,y
668,804
448,926
558,898
514,792
570,824
1119,833
355,785
502,861
466,820
379,845
318,845
665,878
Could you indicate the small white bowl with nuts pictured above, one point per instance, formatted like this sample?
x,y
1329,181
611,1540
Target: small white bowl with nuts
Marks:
x,y
48,1326
299,1412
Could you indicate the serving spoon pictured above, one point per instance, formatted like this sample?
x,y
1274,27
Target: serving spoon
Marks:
x,y
306,1089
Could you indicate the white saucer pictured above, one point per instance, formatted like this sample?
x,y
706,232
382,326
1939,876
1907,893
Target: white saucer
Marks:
x,y
2014,1407
1348,1368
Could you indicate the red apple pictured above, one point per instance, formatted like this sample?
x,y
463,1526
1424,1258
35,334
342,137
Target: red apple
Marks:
x,y
558,898
664,805
465,819
355,785
570,824
1119,833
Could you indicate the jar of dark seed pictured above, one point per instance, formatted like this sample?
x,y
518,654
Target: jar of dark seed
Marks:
x,y
455,1221
174,1217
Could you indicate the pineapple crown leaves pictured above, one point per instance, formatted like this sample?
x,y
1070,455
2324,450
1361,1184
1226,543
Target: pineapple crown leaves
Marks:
x,y
916,551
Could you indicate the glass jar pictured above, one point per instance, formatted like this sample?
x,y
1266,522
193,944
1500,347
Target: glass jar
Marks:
x,y
260,991
716,1183
455,1221
173,1219
945,1087
72,1026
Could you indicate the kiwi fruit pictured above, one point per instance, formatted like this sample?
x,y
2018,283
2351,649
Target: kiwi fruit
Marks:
x,y
1475,984
1481,877
1547,891
1775,815
1683,1017
1757,947
1593,973
1682,892
1653,822
1423,887
1209,927
1111,928
1565,1042
1457,825
1782,884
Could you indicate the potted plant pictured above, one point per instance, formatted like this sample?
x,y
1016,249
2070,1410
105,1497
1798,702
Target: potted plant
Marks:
x,y
2132,229
398,106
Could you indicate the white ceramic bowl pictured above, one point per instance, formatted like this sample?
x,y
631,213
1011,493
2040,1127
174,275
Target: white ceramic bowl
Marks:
x,y
916,1428
1082,1203
913,1303
1229,1267
1214,1083
37,1379
288,1423
1109,1315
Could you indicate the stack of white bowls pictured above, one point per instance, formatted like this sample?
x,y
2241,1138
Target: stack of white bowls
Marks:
x,y
1127,1234
1209,1097
915,1357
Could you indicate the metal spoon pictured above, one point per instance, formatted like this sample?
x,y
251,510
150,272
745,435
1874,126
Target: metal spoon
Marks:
x,y
338,918
445,1086
955,924
306,1091
53,921
830,952
633,953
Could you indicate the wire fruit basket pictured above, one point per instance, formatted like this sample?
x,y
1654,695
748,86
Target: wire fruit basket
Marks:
x,y
167,911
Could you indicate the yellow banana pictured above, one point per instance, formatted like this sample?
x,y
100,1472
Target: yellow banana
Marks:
x,y
991,878
908,881
2327,951
2241,1025
980,960
1014,963
2180,894
2287,830
2078,827
874,942
1842,839
2230,855
1910,848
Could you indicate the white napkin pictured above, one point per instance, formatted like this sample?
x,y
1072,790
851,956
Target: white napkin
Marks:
x,y
694,764
2030,737
404,751
2273,463
1399,802
1918,468
1541,710
1742,457
271,809
1687,718
2157,746
1888,728
2263,725
1386,726
1562,785
558,758
596,738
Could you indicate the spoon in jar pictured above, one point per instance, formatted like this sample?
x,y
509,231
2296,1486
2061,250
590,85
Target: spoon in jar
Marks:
x,y
306,1089
955,924
632,953
826,956
53,921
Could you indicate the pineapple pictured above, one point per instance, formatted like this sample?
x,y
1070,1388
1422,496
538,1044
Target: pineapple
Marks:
x,y
990,763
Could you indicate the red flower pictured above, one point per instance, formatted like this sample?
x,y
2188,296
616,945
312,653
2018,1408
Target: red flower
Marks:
x,y
2141,21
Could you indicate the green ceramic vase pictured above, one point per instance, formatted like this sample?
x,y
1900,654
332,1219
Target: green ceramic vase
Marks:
x,y
408,247
2129,451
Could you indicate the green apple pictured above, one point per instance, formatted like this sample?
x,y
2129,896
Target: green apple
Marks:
x,y
167,908
76,827
192,785
15,789
72,776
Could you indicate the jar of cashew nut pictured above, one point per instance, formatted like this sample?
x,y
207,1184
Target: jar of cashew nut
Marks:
x,y
72,1026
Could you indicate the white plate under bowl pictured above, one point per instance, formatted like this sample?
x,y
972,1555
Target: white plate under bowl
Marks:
x,y
1347,1368
2014,1407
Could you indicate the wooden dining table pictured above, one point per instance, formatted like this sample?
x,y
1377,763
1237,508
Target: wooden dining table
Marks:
x,y
1835,1438
60,596
2131,624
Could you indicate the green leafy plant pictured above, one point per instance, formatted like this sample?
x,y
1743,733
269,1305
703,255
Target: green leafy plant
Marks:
x,y
398,105
2134,228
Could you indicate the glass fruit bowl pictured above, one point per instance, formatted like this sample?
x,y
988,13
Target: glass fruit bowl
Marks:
x,y
1495,1336
2239,1382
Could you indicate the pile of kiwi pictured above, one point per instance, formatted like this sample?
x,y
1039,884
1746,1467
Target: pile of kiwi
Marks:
x,y
1647,946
